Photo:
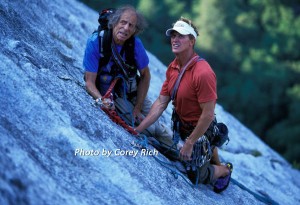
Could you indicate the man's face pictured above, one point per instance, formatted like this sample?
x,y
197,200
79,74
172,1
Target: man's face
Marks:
x,y
180,43
125,28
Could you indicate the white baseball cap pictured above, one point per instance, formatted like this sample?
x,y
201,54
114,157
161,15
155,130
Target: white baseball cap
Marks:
x,y
182,28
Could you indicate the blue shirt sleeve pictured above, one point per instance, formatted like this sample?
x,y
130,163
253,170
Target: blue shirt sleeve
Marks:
x,y
140,55
91,54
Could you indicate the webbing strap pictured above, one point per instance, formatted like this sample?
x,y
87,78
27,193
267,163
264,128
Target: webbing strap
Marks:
x,y
181,74
119,60
101,34
111,87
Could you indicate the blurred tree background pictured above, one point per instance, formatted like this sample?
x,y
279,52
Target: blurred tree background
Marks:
x,y
254,48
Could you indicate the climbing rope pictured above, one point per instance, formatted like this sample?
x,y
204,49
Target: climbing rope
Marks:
x,y
264,199
142,142
173,169
113,115
118,120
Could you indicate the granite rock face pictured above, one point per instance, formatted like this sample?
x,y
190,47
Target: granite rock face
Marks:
x,y
54,143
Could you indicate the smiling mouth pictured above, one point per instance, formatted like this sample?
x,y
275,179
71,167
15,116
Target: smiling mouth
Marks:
x,y
175,45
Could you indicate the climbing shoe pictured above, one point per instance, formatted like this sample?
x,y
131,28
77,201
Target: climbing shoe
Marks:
x,y
222,183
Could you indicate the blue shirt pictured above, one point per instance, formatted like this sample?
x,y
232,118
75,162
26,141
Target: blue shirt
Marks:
x,y
92,56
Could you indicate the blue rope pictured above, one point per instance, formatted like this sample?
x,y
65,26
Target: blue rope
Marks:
x,y
266,200
143,143
174,171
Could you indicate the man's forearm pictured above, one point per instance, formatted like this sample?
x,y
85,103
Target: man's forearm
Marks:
x,y
155,112
199,130
93,91
204,121
90,79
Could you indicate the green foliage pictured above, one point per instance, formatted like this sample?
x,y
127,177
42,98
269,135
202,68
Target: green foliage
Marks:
x,y
252,45
258,83
296,165
103,4
160,18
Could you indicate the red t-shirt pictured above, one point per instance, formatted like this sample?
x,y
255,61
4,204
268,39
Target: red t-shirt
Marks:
x,y
198,85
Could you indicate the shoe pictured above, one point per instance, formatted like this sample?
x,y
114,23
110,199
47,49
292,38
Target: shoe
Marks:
x,y
223,182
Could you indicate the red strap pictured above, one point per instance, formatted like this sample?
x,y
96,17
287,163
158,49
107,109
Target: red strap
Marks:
x,y
111,87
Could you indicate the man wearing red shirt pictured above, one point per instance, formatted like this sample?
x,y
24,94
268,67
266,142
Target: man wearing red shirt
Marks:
x,y
197,86
191,85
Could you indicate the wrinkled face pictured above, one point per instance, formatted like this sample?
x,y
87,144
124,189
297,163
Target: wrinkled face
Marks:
x,y
181,43
125,28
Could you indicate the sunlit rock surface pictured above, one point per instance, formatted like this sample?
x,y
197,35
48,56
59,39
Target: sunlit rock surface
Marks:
x,y
48,124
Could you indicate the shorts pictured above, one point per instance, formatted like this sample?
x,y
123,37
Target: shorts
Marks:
x,y
205,174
